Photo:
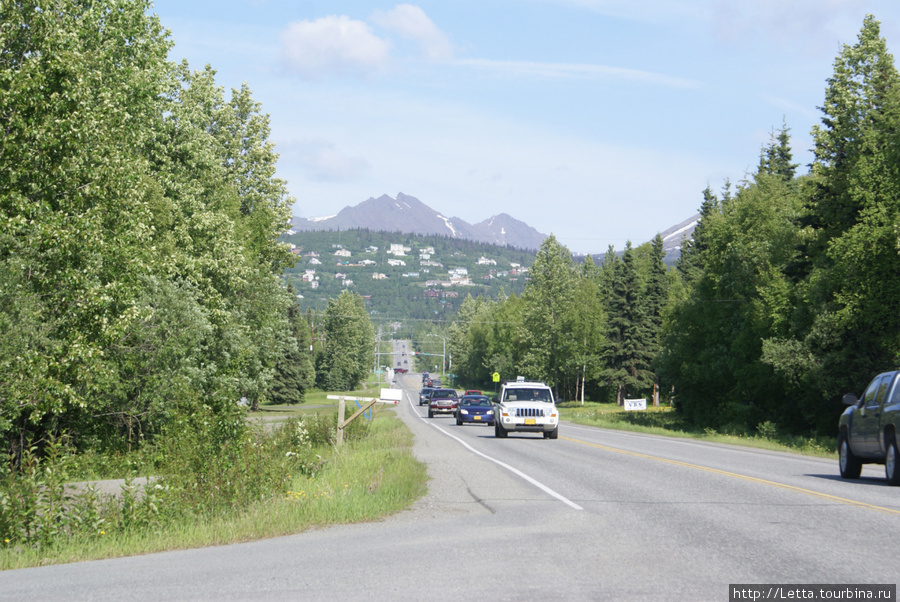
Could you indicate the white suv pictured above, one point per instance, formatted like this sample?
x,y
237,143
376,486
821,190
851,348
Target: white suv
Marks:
x,y
526,406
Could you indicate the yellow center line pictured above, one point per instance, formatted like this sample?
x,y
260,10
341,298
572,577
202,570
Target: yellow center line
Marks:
x,y
735,475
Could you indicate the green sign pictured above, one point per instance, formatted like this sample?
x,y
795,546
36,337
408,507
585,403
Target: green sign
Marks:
x,y
496,376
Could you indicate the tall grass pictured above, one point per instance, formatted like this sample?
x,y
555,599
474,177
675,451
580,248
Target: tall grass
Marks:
x,y
222,482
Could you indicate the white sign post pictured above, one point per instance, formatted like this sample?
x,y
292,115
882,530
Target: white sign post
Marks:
x,y
392,396
635,404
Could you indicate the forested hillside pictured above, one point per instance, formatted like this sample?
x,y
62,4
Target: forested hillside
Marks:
x,y
428,281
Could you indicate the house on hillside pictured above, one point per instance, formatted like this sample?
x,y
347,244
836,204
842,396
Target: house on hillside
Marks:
x,y
460,276
396,262
342,253
371,249
486,261
379,276
398,250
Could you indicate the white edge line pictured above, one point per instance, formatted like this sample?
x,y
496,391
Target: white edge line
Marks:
x,y
513,470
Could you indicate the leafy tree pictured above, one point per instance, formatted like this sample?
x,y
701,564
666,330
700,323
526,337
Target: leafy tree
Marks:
x,y
349,343
588,336
548,309
140,287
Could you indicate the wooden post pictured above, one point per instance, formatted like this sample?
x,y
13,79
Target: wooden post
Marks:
x,y
342,408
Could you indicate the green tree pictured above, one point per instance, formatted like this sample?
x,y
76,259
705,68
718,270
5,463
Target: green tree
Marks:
x,y
294,371
588,335
629,353
349,343
548,309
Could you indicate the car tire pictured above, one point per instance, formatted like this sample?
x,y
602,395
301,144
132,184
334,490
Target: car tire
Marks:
x,y
892,463
849,464
554,434
458,421
430,414
499,431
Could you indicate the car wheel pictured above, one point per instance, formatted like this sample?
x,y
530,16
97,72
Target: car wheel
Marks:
x,y
892,463
554,434
430,414
499,431
458,421
850,465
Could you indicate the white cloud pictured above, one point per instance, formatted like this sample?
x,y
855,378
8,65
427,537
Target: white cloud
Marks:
x,y
575,70
412,23
332,45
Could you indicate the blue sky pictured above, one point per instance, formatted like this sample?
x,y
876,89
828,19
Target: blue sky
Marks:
x,y
600,121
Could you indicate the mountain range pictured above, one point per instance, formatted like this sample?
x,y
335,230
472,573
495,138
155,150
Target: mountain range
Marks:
x,y
408,214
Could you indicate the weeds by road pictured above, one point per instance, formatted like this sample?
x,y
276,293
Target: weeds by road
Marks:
x,y
220,482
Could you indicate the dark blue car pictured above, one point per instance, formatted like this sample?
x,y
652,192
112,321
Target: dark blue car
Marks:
x,y
475,408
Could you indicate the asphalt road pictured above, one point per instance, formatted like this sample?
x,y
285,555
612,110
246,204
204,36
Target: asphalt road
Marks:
x,y
594,515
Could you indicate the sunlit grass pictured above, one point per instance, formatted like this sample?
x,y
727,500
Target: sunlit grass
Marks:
x,y
665,421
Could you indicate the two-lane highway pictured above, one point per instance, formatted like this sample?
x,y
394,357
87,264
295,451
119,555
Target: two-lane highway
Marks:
x,y
594,515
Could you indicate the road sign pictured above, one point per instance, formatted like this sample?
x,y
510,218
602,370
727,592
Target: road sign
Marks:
x,y
496,377
635,404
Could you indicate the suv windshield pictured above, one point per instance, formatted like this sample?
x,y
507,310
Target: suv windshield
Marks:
x,y
527,395
444,393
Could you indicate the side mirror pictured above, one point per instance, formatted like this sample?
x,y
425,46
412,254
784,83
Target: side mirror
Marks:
x,y
850,399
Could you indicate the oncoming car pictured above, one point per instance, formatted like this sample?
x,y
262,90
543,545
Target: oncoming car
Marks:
x,y
424,394
526,407
476,409
442,401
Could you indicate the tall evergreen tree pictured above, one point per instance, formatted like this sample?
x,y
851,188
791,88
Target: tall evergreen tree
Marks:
x,y
689,262
630,350
294,371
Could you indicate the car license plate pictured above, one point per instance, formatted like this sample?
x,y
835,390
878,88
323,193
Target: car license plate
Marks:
x,y
476,418
529,422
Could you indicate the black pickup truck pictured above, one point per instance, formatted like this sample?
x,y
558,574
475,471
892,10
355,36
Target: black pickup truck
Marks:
x,y
867,431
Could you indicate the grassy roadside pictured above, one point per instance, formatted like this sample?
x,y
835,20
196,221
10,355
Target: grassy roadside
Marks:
x,y
370,477
664,421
